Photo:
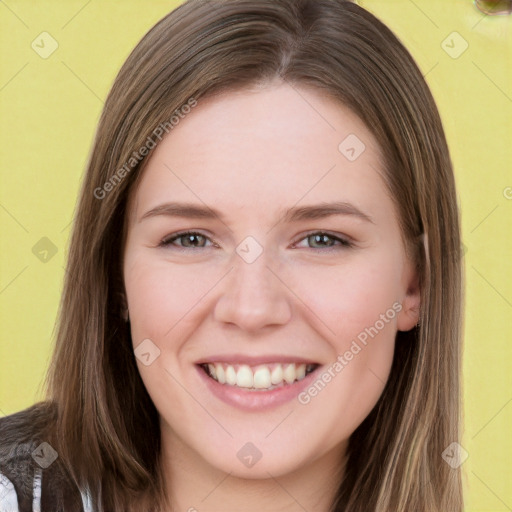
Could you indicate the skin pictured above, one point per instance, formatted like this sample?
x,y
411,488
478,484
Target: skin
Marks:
x,y
251,154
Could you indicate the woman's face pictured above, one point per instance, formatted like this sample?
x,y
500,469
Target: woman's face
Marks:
x,y
265,337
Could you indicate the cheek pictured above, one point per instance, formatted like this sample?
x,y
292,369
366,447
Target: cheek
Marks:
x,y
161,295
348,299
164,304
359,304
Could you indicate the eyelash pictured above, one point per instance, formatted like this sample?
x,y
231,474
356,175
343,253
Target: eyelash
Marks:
x,y
344,244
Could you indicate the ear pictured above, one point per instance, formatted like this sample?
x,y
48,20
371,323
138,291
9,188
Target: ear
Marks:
x,y
410,314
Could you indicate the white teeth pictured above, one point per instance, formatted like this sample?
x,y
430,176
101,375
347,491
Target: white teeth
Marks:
x,y
301,371
262,378
289,373
259,377
219,372
277,375
230,376
244,377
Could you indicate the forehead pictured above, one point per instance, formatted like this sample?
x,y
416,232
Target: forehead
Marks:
x,y
261,148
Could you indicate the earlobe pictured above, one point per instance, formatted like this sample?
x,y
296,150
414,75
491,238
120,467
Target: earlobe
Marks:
x,y
410,314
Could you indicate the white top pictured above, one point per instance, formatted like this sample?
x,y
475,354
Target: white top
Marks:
x,y
9,499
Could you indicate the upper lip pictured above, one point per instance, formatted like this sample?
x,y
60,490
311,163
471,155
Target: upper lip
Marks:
x,y
254,360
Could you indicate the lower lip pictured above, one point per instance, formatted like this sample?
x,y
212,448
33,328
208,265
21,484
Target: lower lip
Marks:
x,y
255,400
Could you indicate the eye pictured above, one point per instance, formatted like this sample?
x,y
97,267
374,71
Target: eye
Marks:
x,y
195,240
190,240
326,241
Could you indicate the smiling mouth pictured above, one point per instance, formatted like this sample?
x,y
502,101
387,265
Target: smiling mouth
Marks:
x,y
262,377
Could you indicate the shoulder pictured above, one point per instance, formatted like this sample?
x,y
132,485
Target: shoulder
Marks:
x,y
25,425
29,464
22,432
19,437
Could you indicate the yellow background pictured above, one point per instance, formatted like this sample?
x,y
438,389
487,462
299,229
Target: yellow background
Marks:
x,y
49,109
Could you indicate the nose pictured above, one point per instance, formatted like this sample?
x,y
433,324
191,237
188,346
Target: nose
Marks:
x,y
253,295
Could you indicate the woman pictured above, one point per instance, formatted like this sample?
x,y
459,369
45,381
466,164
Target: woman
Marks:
x,y
262,304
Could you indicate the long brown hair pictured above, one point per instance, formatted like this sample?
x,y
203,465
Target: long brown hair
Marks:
x,y
106,428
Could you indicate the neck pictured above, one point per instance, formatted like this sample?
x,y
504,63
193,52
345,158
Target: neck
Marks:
x,y
194,485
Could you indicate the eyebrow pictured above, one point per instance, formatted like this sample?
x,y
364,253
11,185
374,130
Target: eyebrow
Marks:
x,y
294,214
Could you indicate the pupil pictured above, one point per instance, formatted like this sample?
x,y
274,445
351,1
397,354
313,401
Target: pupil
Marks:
x,y
192,238
321,238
